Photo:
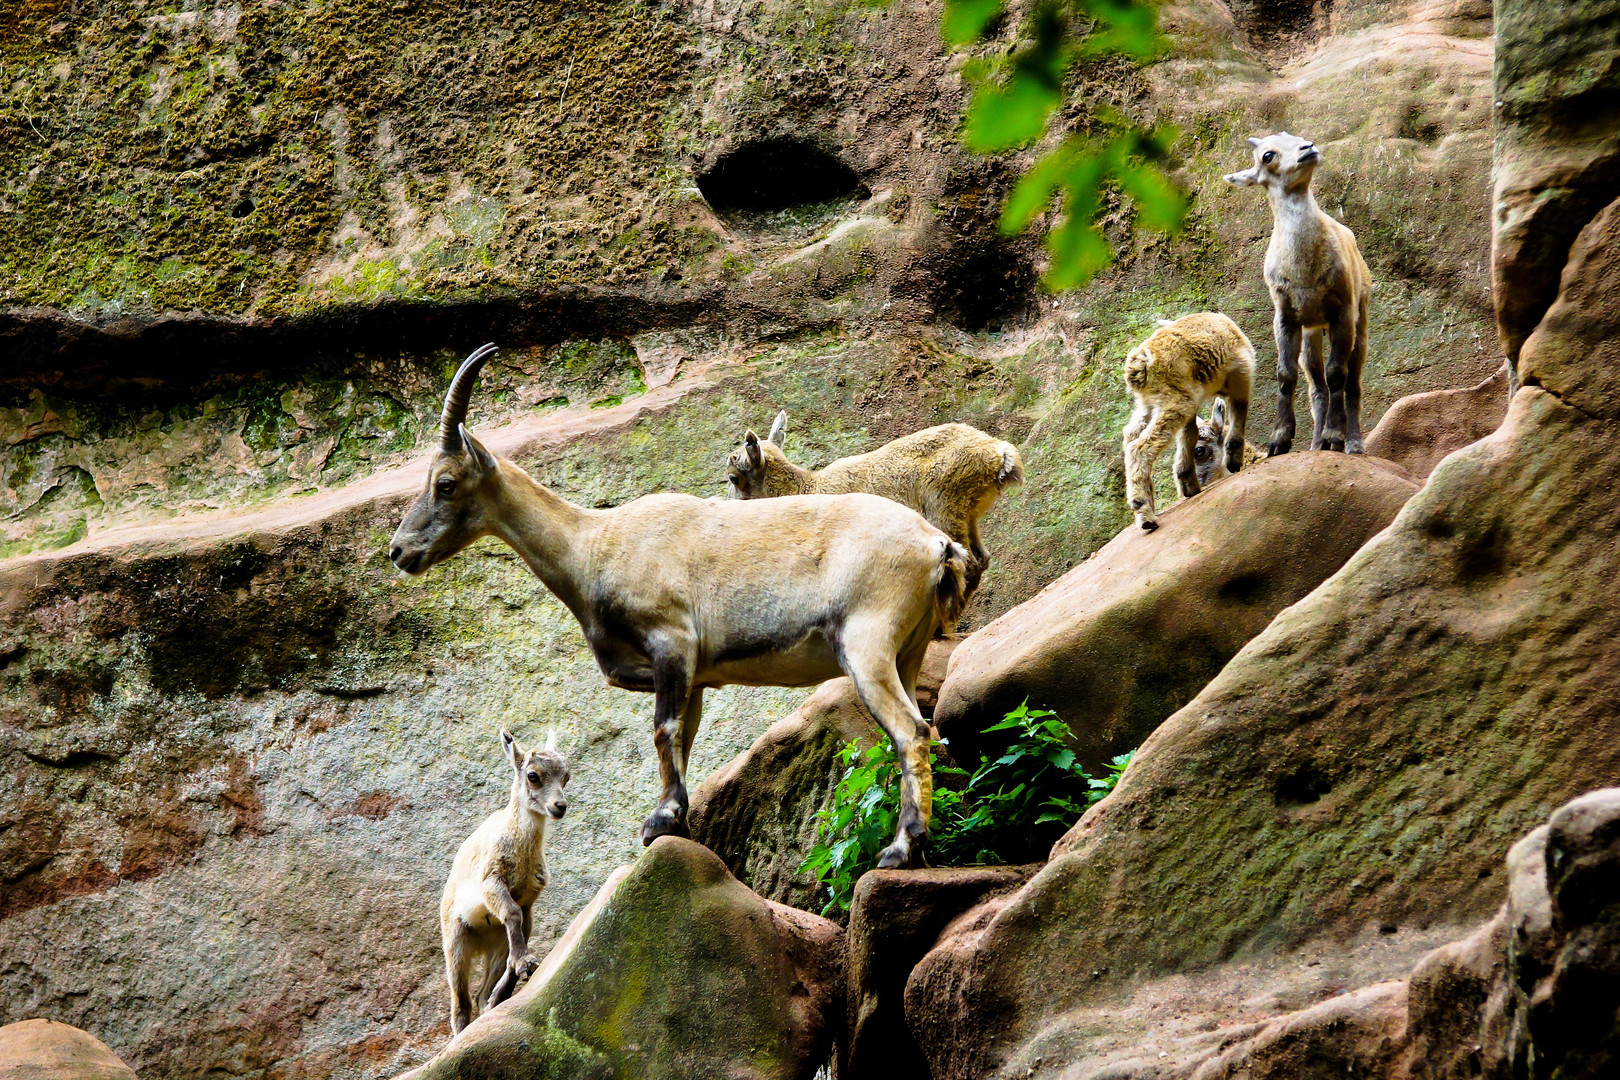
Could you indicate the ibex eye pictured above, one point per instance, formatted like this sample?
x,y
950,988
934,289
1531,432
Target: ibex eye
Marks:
x,y
1269,156
446,485
534,778
1202,453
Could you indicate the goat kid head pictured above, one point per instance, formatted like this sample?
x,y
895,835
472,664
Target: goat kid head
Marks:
x,y
450,512
746,468
540,776
1208,456
1281,161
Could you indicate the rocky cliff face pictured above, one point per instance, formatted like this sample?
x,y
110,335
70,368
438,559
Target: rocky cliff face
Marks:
x,y
250,241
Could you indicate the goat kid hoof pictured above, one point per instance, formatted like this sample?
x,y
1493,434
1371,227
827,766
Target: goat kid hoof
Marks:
x,y
894,857
1149,524
1355,446
1278,449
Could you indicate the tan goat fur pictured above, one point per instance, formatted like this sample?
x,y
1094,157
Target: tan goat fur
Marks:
x,y
486,915
951,474
677,594
1319,284
1170,375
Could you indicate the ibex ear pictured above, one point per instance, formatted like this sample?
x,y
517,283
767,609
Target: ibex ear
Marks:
x,y
1217,416
756,459
510,747
778,433
485,459
551,740
1246,178
1254,142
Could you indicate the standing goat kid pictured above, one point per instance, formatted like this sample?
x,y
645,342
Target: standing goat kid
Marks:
x,y
487,910
1170,376
951,474
1319,284
677,594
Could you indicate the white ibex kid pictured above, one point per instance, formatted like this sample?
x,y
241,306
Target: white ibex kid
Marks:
x,y
676,594
487,912
951,474
1319,283
1170,375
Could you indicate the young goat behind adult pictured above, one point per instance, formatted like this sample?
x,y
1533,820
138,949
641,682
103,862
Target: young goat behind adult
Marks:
x,y
676,594
1210,456
951,474
1319,284
486,914
1170,375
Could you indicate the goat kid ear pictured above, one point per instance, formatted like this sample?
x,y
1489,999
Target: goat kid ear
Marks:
x,y
751,450
778,433
1217,416
1254,142
483,457
551,740
1246,178
509,746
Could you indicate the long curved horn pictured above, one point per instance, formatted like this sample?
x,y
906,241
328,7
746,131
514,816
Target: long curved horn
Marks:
x,y
455,399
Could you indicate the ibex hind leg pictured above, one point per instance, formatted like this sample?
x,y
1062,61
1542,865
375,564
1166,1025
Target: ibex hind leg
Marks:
x,y
672,681
1354,443
456,962
1316,380
878,683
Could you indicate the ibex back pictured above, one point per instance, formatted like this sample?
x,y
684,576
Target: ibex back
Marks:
x,y
677,594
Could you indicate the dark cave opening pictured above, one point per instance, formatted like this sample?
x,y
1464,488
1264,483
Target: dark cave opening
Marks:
x,y
776,174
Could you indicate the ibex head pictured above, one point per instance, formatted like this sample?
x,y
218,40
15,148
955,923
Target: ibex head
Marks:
x,y
448,514
746,467
1282,161
540,776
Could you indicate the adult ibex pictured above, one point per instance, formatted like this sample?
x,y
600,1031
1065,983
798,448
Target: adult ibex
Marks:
x,y
677,594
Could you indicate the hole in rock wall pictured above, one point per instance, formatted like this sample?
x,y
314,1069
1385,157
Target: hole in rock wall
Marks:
x,y
1302,786
775,184
1282,24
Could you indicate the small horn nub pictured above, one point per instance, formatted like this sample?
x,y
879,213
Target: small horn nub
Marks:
x,y
456,398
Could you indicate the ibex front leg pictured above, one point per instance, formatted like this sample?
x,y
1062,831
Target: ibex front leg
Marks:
x,y
672,692
499,903
1288,334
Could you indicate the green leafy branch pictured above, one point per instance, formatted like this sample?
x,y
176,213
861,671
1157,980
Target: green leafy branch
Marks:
x,y
1009,810
1014,98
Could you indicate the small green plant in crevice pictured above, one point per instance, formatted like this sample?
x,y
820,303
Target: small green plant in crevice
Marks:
x,y
1009,810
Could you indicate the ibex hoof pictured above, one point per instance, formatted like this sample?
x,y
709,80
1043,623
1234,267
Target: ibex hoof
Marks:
x,y
664,823
896,857
1355,446
1279,447
1148,524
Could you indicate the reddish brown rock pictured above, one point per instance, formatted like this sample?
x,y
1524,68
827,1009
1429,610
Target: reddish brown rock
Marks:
x,y
1418,431
896,917
47,1050
1129,636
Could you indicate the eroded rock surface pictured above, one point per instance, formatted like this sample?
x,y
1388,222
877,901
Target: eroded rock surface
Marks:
x,y
1129,636
1418,431
675,970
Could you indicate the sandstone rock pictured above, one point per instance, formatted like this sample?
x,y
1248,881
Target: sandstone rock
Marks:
x,y
1358,1034
1418,431
1129,636
47,1050
675,969
757,811
896,917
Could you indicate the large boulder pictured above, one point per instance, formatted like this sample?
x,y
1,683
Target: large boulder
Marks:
x,y
675,969
1129,636
896,917
1419,430
757,811
48,1050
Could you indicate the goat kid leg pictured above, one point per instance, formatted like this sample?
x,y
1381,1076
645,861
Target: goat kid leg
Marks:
x,y
1237,392
1353,442
1287,333
672,682
456,962
1341,341
1186,464
1141,456
878,683
494,968
1317,381
498,901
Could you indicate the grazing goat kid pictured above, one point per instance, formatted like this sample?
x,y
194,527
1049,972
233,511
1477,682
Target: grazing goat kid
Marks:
x,y
676,594
951,474
487,910
1170,376
1319,284
1210,455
